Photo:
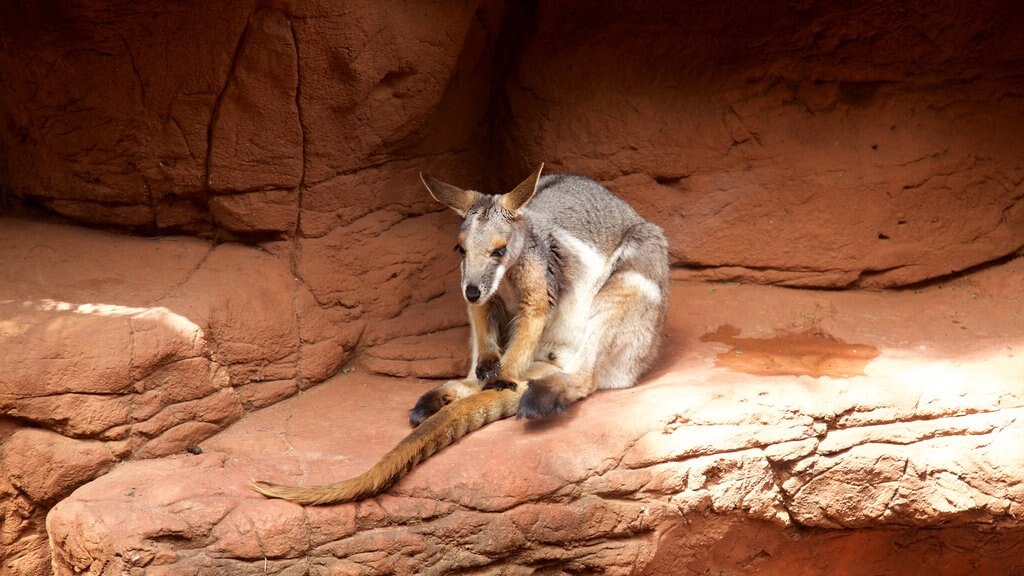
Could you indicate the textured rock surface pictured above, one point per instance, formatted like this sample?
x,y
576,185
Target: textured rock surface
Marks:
x,y
912,468
806,144
796,144
115,348
141,114
298,125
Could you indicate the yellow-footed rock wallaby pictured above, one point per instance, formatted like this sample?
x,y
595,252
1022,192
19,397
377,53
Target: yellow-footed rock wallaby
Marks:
x,y
567,290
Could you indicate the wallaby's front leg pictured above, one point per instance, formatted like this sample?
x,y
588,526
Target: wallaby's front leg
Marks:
x,y
486,356
485,361
534,308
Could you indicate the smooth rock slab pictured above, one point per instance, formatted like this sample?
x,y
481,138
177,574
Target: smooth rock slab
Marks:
x,y
916,463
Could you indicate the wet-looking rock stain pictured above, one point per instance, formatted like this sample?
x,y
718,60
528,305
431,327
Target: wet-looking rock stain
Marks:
x,y
812,352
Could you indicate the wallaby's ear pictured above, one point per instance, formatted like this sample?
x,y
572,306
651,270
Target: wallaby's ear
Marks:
x,y
455,198
521,194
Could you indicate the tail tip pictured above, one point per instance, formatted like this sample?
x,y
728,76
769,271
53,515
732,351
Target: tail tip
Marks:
x,y
264,488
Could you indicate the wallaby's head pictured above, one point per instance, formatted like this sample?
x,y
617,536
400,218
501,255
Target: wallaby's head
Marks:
x,y
491,237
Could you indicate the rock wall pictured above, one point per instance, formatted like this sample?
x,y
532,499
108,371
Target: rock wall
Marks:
x,y
801,143
804,143
294,126
193,117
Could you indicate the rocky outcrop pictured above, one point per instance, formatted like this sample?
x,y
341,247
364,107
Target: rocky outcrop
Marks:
x,y
118,348
701,468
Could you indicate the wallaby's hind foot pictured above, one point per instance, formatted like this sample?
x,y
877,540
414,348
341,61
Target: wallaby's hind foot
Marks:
x,y
541,401
552,394
428,405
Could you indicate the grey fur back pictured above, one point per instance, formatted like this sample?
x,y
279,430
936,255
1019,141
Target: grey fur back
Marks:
x,y
584,208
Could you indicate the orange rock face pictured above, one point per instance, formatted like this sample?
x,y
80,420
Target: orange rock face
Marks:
x,y
805,144
802,145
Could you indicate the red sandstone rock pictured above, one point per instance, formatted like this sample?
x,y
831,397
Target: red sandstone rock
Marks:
x,y
698,468
435,355
801,145
47,466
256,128
269,211
775,144
116,348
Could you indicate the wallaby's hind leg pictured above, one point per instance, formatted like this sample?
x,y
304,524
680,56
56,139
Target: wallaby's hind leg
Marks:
x,y
632,310
632,325
608,357
623,332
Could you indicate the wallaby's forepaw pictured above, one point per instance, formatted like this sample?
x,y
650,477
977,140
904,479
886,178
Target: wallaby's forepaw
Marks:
x,y
541,401
429,404
501,385
487,367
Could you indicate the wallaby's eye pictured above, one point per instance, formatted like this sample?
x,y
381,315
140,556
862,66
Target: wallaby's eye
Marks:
x,y
460,249
498,252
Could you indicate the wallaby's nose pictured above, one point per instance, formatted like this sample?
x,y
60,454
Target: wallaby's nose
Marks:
x,y
472,293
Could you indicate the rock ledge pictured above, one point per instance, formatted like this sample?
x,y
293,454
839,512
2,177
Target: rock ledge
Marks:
x,y
701,468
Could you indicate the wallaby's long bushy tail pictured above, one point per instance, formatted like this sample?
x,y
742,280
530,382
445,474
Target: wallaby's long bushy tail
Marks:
x,y
440,430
